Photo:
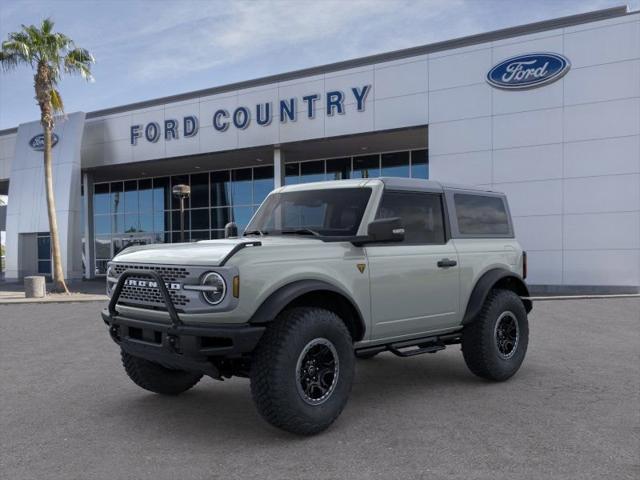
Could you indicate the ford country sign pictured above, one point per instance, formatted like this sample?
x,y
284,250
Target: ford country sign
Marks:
x,y
37,142
528,71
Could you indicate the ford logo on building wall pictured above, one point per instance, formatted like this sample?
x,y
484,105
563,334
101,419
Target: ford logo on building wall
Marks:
x,y
528,71
37,142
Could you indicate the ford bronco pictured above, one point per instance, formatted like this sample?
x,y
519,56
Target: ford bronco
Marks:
x,y
323,274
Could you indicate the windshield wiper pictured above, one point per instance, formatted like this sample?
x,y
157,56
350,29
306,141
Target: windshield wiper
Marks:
x,y
301,231
255,232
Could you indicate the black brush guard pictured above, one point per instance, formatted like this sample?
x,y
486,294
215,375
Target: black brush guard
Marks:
x,y
176,345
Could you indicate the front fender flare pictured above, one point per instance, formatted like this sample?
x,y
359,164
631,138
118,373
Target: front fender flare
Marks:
x,y
495,277
282,297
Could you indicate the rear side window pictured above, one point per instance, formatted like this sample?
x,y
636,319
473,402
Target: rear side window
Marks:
x,y
421,215
481,215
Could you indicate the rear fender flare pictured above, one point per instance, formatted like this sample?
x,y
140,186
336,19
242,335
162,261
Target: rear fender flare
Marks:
x,y
495,278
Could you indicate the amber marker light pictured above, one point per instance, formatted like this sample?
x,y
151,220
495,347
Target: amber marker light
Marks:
x,y
236,286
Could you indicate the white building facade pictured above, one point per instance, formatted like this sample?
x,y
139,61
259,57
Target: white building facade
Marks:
x,y
548,113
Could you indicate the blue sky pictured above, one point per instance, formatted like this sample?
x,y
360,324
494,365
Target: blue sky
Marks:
x,y
149,49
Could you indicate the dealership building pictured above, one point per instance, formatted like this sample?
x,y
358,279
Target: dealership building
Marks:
x,y
548,113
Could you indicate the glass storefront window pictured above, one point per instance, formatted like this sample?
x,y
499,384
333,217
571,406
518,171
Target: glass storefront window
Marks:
x,y
117,192
292,173
220,189
161,194
220,217
262,183
367,166
312,171
131,203
200,190
179,180
395,164
144,210
339,168
145,195
241,187
200,219
420,164
101,198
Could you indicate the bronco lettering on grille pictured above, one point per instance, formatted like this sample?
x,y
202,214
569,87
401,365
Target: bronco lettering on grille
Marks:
x,y
131,282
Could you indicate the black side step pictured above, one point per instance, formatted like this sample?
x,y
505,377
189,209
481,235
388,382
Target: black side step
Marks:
x,y
416,346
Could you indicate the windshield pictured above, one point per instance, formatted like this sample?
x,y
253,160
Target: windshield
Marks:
x,y
330,212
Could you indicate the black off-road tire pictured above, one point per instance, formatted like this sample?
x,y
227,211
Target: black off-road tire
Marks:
x,y
156,378
481,342
275,378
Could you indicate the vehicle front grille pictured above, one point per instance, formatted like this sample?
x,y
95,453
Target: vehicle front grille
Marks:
x,y
170,274
149,296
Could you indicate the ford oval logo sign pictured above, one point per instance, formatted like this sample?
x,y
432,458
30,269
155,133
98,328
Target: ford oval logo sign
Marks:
x,y
37,142
528,71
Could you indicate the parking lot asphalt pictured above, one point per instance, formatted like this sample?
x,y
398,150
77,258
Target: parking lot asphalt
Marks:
x,y
68,411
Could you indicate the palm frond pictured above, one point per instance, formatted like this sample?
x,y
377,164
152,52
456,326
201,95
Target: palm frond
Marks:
x,y
79,61
56,101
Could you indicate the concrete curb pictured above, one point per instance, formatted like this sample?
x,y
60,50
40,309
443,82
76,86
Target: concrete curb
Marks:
x,y
55,299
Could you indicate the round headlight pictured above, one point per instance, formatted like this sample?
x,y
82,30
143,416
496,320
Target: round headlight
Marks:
x,y
216,288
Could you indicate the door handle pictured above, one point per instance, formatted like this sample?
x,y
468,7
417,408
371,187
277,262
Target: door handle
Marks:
x,y
446,263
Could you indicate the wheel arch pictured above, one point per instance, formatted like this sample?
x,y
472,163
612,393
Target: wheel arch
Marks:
x,y
315,293
495,278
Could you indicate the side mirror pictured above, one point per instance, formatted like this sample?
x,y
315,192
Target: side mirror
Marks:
x,y
385,230
230,230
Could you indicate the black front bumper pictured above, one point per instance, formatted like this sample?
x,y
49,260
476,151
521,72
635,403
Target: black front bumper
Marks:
x,y
176,345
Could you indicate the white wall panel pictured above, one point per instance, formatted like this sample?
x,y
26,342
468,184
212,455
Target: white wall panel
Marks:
x,y
616,193
468,135
403,79
608,156
212,140
539,232
456,70
544,267
602,267
533,198
603,45
602,231
549,96
527,128
351,122
345,82
398,112
472,168
540,162
459,103
602,82
117,127
601,120
549,41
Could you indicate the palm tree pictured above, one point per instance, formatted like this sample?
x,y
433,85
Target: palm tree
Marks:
x,y
50,55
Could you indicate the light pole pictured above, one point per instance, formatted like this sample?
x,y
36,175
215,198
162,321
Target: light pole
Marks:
x,y
182,192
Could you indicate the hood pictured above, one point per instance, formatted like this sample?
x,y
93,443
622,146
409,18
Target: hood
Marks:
x,y
205,253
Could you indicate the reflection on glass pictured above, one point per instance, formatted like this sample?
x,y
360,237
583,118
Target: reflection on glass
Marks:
x,y
101,198
292,174
146,222
161,222
44,267
200,219
131,196
161,194
103,247
220,217
241,186
366,167
175,220
339,168
199,235
420,164
262,183
102,224
116,198
220,189
312,171
200,190
242,215
145,195
395,164
179,180
44,247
